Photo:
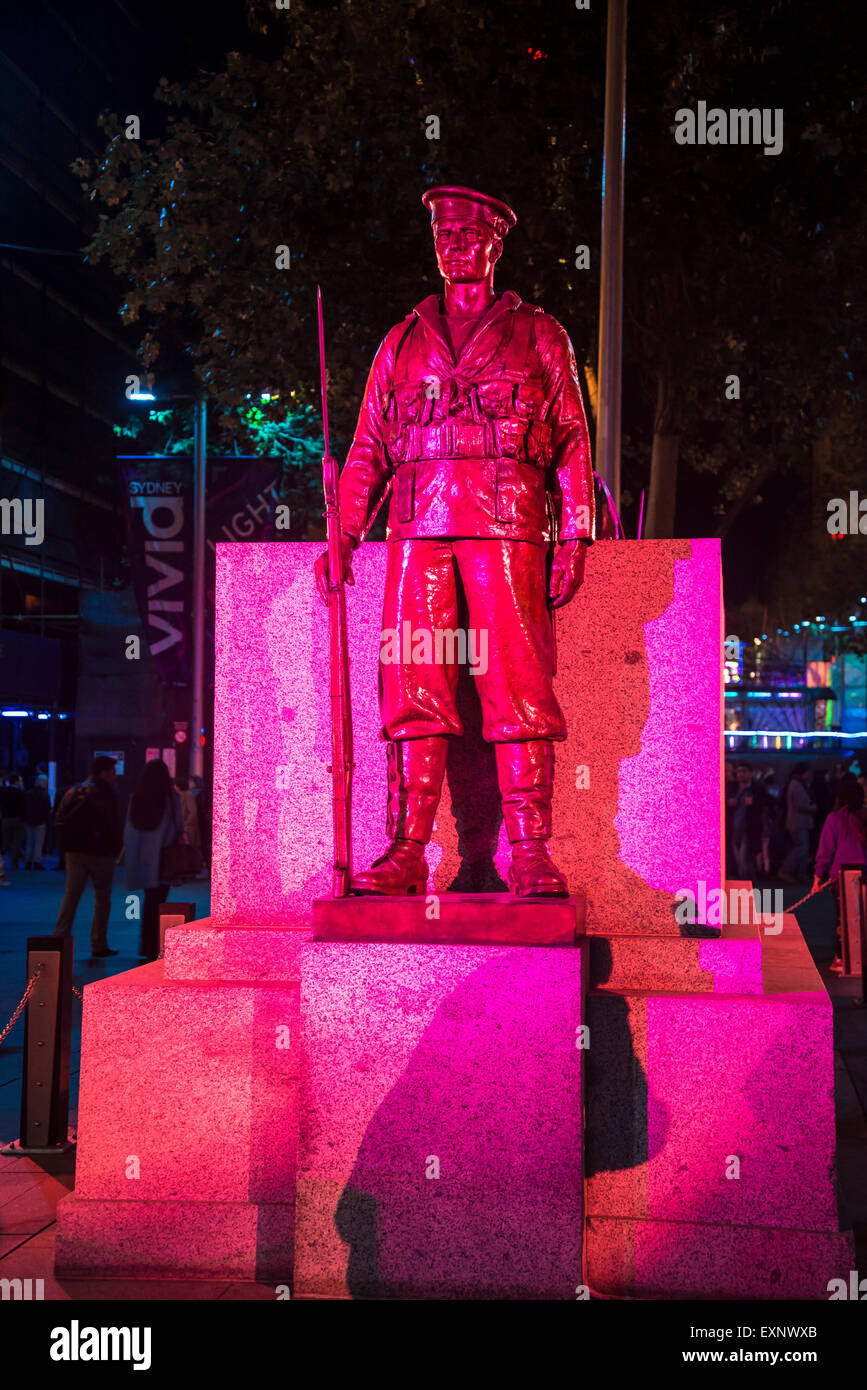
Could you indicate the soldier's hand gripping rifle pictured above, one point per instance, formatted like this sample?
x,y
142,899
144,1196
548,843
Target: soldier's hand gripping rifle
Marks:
x,y
341,709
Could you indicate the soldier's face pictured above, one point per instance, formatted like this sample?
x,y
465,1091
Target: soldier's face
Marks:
x,y
465,251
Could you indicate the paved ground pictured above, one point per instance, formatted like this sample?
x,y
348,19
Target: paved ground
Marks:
x,y
29,1191
29,908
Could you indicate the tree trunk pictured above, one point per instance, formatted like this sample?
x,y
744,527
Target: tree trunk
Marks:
x,y
739,505
663,460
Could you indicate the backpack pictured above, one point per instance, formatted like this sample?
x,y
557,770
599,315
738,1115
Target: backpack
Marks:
x,y
77,816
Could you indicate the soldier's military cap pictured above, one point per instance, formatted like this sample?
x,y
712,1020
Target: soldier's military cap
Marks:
x,y
470,204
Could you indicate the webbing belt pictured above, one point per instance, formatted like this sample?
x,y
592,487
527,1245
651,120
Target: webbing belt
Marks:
x,y
463,439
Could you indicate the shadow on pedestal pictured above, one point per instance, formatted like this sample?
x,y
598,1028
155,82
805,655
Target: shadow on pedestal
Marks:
x,y
440,1151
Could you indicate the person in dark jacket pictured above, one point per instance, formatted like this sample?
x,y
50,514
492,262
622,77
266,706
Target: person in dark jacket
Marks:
x,y
87,826
37,813
154,819
800,811
748,804
12,818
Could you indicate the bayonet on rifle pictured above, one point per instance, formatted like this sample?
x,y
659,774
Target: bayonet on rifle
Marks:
x,y
341,709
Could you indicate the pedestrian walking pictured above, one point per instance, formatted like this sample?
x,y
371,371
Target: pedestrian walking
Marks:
x,y
87,826
189,812
197,792
748,805
37,813
12,818
154,820
64,786
800,811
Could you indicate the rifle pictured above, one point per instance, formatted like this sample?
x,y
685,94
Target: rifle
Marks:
x,y
341,708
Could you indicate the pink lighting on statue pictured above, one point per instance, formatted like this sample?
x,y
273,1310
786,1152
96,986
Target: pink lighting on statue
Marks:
x,y
396,1055
639,681
663,820
726,1181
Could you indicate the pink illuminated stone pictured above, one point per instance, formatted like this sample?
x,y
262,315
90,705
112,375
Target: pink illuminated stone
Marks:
x,y
701,1050
440,1148
639,680
187,1129
668,814
710,1137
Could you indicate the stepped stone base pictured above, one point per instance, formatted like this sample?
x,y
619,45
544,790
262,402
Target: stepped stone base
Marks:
x,y
425,1100
188,1116
175,1240
681,1260
709,1120
464,919
440,1125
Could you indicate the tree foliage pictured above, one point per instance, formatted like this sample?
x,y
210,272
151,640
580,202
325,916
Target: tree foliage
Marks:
x,y
315,138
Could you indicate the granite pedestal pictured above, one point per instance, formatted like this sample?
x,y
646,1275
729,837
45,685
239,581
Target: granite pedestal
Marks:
x,y
709,1119
464,919
440,1122
188,1113
424,1098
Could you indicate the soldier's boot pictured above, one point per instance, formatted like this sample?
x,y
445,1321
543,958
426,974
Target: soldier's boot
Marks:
x,y
526,776
416,768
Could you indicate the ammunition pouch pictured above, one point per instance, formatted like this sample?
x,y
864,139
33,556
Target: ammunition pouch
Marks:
x,y
509,436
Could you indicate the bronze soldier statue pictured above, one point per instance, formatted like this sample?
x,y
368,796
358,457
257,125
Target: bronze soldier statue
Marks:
x,y
473,413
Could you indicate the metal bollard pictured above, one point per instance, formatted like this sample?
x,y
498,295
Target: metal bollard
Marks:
x,y
174,915
47,1036
852,918
863,934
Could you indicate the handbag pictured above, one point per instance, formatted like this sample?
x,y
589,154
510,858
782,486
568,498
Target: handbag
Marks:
x,y
180,859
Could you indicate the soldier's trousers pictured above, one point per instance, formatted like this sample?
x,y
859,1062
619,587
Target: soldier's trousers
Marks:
x,y
507,643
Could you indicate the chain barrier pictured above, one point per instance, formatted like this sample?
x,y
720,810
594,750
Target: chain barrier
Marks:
x,y
812,893
31,985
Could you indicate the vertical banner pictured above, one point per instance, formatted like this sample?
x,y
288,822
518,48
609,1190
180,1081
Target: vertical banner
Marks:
x,y
241,503
160,532
243,495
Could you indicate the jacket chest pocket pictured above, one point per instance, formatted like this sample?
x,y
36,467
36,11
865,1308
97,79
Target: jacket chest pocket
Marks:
x,y
510,434
404,493
408,403
530,401
496,398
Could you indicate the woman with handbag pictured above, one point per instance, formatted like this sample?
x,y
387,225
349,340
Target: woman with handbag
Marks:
x,y
843,842
153,829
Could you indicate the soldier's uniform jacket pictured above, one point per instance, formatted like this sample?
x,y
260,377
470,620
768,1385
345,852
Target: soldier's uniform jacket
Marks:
x,y
485,445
